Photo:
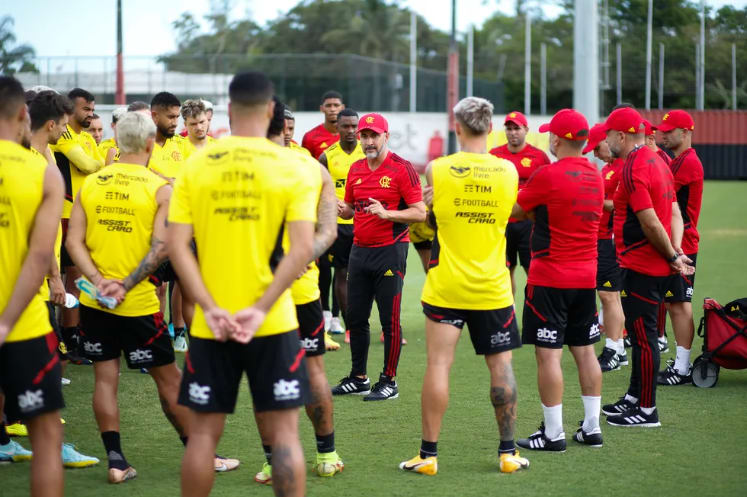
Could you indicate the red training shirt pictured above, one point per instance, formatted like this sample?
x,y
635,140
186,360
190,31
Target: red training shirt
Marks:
x,y
646,183
611,176
664,156
688,184
526,161
566,197
395,184
317,139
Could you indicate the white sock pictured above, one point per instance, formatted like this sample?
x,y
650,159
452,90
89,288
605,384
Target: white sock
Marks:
x,y
553,421
592,406
610,344
682,360
631,399
647,410
620,346
600,318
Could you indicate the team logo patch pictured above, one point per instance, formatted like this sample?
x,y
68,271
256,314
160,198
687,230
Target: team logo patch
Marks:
x,y
500,338
526,162
609,175
623,294
569,136
199,394
389,273
104,179
669,294
594,331
460,171
547,335
28,401
607,284
666,116
512,115
323,145
384,181
358,182
217,155
176,155
370,119
631,130
286,390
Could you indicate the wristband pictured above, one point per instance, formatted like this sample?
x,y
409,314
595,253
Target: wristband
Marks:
x,y
674,258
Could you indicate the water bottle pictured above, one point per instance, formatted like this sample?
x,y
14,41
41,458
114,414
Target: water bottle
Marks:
x,y
70,301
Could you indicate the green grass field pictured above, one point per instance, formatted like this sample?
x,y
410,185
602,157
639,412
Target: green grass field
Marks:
x,y
701,448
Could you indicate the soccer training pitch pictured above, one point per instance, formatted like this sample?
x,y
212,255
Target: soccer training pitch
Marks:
x,y
700,449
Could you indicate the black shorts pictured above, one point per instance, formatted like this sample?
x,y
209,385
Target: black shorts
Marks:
x,y
609,278
65,260
61,347
144,340
30,376
424,245
274,365
554,317
517,243
679,287
339,252
163,273
311,327
491,331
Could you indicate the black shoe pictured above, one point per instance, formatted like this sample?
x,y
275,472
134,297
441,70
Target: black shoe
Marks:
x,y
74,358
592,438
618,407
672,377
635,418
352,385
663,344
385,389
608,360
538,441
622,358
627,343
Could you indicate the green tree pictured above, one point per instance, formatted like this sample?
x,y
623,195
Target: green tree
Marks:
x,y
14,58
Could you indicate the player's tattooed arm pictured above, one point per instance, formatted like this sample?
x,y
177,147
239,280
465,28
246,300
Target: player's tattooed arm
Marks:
x,y
158,252
326,226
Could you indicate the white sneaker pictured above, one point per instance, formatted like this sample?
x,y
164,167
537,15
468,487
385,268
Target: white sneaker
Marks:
x,y
335,327
180,344
65,381
327,320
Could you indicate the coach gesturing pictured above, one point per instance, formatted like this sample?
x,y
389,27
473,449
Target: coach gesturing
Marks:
x,y
382,195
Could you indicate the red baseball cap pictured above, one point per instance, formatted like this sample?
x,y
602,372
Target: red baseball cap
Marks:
x,y
648,128
627,120
597,135
374,122
516,117
569,124
676,119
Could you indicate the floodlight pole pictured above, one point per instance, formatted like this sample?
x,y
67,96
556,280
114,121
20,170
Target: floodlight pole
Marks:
x,y
119,95
586,60
452,93
413,61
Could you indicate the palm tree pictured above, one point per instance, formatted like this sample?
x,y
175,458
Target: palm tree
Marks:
x,y
18,58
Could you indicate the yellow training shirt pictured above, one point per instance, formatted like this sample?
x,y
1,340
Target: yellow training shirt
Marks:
x,y
298,148
21,193
105,145
473,195
168,160
189,148
338,163
64,156
237,194
120,204
306,288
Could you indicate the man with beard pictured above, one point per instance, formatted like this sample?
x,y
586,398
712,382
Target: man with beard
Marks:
x,y
77,156
526,158
169,150
382,195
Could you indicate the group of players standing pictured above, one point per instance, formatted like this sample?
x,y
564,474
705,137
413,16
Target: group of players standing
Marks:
x,y
244,217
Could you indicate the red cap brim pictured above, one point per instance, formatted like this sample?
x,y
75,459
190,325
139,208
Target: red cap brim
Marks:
x,y
665,127
375,129
591,146
516,121
544,128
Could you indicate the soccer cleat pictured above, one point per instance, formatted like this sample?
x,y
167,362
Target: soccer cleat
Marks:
x,y
328,464
608,360
626,342
17,430
265,476
635,417
352,385
330,344
618,407
592,438
71,458
121,476
427,466
672,377
622,358
335,327
347,336
223,464
327,320
510,463
663,344
180,343
14,452
538,441
65,381
385,389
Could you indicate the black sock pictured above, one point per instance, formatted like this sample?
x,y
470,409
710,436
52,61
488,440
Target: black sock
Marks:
x,y
507,447
428,449
325,443
268,453
184,440
4,438
114,450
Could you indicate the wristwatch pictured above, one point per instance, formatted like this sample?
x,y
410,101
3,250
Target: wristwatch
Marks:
x,y
674,257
